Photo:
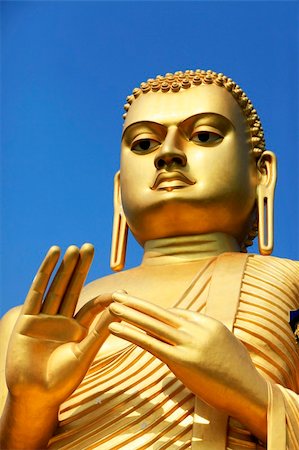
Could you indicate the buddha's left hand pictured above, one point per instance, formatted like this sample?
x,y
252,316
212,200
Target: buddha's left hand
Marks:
x,y
201,352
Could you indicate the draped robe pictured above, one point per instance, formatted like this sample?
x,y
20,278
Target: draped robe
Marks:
x,y
131,400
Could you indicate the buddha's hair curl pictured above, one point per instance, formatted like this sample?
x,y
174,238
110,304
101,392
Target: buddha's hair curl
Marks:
x,y
179,81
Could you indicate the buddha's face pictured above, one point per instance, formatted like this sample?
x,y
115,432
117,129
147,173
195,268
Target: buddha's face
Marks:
x,y
186,166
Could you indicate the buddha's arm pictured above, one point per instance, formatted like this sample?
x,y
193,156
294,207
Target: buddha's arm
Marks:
x,y
50,350
202,353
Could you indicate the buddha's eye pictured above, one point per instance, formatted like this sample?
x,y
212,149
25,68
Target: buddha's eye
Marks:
x,y
206,137
145,145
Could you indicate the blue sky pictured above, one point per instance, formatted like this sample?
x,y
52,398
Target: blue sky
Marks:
x,y
67,68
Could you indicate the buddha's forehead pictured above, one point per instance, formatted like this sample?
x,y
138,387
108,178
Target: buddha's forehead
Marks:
x,y
174,107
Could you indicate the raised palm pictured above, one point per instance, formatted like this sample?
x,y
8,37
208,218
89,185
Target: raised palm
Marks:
x,y
50,349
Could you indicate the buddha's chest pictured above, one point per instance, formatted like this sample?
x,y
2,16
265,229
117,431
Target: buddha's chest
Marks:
x,y
129,396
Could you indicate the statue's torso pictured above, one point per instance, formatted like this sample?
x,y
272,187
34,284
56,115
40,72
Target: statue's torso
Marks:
x,y
129,399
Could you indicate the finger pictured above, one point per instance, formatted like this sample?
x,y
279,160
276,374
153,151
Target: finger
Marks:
x,y
90,345
148,308
89,311
157,348
69,302
33,302
156,328
61,281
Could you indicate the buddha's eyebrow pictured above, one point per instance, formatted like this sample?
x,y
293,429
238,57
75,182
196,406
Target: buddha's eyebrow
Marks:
x,y
223,121
150,124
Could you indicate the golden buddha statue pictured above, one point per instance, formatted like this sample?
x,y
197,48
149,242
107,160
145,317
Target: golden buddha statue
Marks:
x,y
193,348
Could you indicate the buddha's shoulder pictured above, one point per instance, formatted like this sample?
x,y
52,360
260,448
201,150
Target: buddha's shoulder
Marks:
x,y
280,267
275,260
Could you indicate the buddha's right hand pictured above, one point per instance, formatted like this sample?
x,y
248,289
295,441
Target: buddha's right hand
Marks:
x,y
50,349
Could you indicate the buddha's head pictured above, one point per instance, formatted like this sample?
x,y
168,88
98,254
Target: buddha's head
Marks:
x,y
192,158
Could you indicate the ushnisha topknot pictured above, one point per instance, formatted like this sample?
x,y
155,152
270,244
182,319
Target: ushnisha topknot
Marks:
x,y
177,81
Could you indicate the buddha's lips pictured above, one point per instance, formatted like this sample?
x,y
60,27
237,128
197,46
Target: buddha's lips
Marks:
x,y
171,176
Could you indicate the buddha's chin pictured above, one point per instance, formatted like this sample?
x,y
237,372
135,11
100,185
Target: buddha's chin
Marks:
x,y
187,219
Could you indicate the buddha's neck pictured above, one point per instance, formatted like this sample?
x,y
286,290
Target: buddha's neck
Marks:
x,y
185,249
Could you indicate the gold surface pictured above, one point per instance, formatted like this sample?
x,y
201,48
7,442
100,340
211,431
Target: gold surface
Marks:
x,y
192,349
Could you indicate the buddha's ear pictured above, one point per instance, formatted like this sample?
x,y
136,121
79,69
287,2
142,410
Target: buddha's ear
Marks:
x,y
267,170
119,231
265,201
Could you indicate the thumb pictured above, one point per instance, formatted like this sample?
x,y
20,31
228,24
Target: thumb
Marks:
x,y
90,345
89,311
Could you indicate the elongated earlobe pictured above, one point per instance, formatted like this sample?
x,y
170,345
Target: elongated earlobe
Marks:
x,y
119,231
265,202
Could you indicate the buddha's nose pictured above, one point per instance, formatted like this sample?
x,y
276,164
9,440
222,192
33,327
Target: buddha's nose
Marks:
x,y
170,153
